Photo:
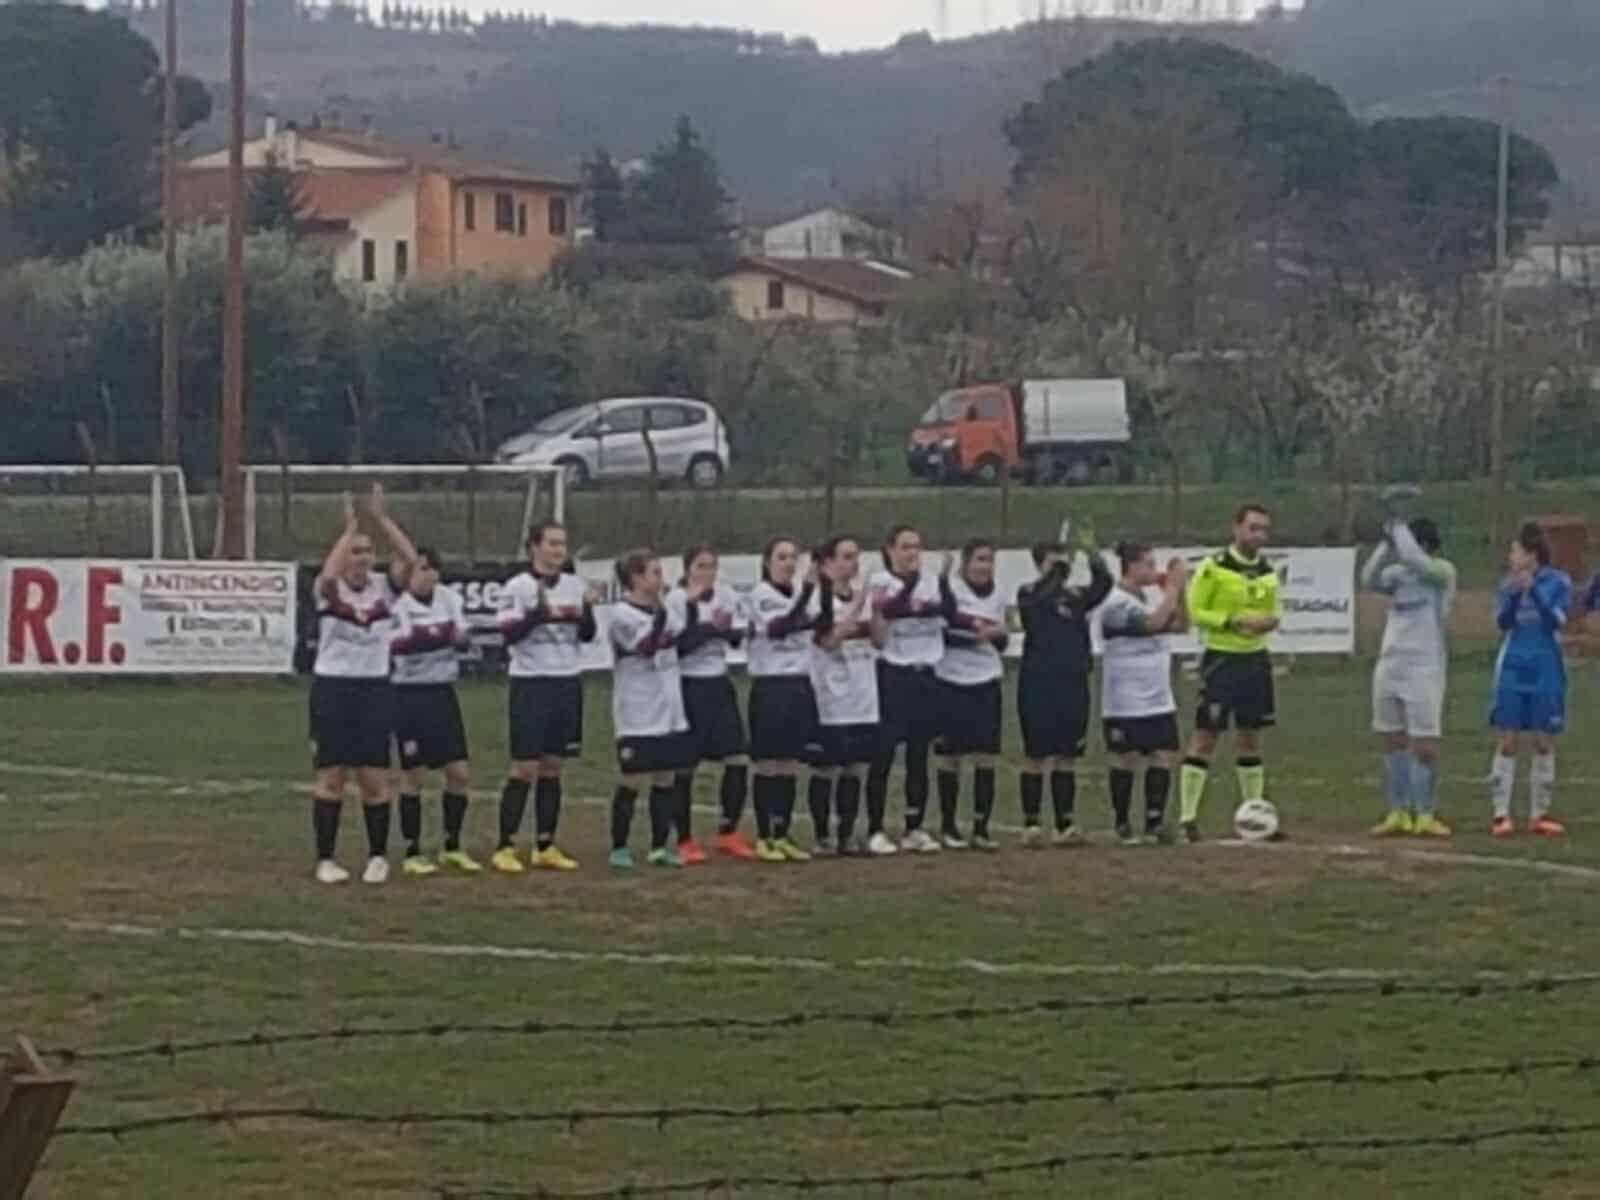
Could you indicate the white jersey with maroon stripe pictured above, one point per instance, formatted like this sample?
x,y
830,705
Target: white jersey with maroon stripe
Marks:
x,y
419,625
354,627
646,688
552,648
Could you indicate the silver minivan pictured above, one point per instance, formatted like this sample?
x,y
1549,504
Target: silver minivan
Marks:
x,y
606,441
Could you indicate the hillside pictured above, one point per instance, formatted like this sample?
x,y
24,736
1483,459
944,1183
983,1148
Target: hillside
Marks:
x,y
792,125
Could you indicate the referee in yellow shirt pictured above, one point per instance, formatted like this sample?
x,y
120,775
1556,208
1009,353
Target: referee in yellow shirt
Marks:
x,y
1234,602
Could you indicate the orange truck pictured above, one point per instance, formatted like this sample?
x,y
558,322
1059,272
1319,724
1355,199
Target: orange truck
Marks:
x,y
1039,430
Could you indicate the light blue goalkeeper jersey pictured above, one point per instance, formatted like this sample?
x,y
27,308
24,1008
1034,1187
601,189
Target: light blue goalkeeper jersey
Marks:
x,y
1423,590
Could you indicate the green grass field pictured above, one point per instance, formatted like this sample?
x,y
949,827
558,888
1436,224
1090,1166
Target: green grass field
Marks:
x,y
156,843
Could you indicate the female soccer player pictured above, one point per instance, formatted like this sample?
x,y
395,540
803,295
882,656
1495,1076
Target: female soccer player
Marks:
x,y
970,675
430,628
548,613
1138,708
1053,685
646,707
845,681
351,702
716,727
1530,681
783,707
914,607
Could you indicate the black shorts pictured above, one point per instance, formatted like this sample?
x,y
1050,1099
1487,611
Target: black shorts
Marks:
x,y
1054,714
655,755
971,718
845,745
1236,689
716,728
1141,735
910,706
546,715
428,728
351,721
783,718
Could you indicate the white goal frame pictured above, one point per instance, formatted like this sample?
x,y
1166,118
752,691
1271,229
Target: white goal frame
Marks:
x,y
158,476
380,471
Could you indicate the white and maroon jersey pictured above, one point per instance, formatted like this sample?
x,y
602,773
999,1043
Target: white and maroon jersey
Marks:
x,y
545,621
1136,667
968,661
914,622
845,679
646,689
425,637
780,629
708,659
353,630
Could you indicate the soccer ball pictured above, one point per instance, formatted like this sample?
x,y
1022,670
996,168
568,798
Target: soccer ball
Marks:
x,y
1256,821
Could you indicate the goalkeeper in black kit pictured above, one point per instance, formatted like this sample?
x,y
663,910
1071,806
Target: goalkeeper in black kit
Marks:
x,y
1053,687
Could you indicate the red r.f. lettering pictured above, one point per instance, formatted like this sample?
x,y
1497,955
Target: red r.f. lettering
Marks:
x,y
34,596
101,614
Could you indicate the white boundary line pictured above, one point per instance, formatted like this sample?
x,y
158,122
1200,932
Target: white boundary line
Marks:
x,y
179,786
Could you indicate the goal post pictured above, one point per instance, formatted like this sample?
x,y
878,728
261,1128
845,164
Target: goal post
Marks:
x,y
468,512
70,510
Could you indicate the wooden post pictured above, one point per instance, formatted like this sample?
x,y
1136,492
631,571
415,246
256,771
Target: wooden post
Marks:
x,y
31,1102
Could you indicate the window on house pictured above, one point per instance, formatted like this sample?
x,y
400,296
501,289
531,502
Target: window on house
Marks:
x,y
369,260
505,212
522,220
775,296
402,259
469,212
558,216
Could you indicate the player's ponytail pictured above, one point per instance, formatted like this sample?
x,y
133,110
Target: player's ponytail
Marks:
x,y
1531,537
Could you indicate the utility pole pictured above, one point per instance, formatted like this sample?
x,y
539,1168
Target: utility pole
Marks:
x,y
1497,405
169,240
230,466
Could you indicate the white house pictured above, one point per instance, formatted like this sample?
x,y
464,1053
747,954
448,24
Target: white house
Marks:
x,y
830,233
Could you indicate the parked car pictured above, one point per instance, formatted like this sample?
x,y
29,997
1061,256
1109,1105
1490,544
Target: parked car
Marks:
x,y
606,441
1045,430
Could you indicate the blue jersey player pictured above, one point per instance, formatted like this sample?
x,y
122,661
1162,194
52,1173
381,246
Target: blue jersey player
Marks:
x,y
1530,680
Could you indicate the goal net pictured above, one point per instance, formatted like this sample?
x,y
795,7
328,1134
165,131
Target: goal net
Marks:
x,y
469,514
74,511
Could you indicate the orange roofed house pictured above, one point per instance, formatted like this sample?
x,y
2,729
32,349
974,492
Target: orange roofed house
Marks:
x,y
388,212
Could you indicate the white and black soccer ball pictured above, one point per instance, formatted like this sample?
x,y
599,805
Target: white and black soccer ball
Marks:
x,y
1256,821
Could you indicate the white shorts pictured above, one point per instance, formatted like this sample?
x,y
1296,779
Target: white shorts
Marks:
x,y
1408,700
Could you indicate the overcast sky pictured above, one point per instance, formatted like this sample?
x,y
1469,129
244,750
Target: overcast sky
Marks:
x,y
836,24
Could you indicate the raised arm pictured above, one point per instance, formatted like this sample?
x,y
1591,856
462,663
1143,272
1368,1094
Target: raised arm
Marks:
x,y
1435,571
327,584
1100,582
1372,578
405,553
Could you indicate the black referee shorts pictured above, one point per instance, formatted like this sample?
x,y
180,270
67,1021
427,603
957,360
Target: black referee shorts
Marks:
x,y
428,728
546,716
1236,689
351,722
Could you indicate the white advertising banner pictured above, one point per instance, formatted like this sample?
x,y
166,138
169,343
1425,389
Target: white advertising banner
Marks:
x,y
1318,588
119,617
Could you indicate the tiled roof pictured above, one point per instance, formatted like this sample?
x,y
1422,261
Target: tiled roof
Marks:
x,y
846,278
334,196
436,155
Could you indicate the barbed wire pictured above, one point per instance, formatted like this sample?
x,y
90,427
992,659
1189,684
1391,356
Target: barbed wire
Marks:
x,y
1387,989
663,1115
979,1173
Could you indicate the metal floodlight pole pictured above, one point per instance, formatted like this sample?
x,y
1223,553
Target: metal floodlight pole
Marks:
x,y
1497,409
230,467
169,239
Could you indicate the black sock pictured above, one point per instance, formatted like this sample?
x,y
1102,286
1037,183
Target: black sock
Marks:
x,y
662,802
455,816
949,799
785,789
377,818
916,784
1032,785
877,798
683,804
1064,796
982,800
819,799
325,826
1157,786
735,786
761,793
513,804
622,802
411,824
546,811
1121,794
848,802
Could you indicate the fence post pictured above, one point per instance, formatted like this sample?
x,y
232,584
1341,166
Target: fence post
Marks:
x,y
280,443
91,513
31,1102
472,513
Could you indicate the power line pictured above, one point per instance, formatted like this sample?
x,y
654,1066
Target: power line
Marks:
x,y
619,1026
